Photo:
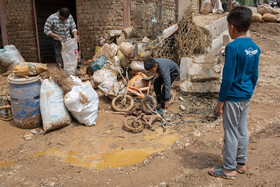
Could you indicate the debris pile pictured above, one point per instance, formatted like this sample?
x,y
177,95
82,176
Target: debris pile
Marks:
x,y
116,70
187,40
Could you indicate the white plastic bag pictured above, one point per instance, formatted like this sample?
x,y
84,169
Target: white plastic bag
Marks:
x,y
82,102
205,7
102,75
218,9
53,110
137,66
69,53
10,56
111,88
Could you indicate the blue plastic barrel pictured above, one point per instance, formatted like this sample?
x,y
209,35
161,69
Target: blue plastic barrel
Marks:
x,y
25,100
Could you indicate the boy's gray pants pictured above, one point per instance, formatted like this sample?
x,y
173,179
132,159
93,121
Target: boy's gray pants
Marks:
x,y
235,133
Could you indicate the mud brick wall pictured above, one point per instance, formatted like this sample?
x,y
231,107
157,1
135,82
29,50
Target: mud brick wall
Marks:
x,y
144,11
21,28
96,19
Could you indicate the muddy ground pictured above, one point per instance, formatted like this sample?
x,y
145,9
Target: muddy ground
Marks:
x,y
106,155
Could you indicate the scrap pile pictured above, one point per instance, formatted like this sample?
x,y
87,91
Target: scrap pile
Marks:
x,y
116,69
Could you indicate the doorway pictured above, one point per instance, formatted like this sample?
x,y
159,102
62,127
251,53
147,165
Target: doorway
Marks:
x,y
45,8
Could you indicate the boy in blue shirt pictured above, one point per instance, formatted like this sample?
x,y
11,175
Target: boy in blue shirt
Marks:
x,y
240,75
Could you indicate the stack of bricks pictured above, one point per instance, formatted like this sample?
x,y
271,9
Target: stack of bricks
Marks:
x,y
21,28
96,19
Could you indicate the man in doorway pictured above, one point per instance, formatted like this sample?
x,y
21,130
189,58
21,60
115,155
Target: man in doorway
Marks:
x,y
60,26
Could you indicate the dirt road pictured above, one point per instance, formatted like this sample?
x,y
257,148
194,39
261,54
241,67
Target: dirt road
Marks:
x,y
106,155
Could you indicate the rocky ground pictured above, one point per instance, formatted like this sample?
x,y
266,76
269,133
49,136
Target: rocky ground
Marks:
x,y
106,155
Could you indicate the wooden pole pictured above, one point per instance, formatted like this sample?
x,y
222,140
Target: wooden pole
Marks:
x,y
3,24
36,31
126,13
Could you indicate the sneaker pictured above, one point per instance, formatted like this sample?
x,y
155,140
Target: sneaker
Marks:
x,y
161,112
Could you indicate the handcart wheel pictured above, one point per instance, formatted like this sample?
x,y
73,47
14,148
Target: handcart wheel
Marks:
x,y
172,96
131,124
122,104
148,103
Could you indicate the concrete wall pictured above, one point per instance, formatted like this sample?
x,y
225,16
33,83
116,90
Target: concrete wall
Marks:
x,y
20,27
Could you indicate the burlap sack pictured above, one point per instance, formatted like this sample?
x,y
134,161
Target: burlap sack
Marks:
x,y
269,17
256,17
265,8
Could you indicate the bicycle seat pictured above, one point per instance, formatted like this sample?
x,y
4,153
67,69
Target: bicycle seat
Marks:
x,y
148,78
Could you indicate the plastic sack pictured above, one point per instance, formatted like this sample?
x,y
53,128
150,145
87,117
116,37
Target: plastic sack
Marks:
x,y
26,69
123,60
69,53
102,75
218,9
113,49
53,111
82,102
137,66
10,56
111,88
205,7
98,63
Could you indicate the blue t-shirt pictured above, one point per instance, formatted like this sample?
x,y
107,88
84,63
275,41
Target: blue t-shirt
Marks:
x,y
240,73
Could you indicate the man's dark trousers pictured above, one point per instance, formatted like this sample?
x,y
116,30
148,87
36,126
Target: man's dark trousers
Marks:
x,y
57,49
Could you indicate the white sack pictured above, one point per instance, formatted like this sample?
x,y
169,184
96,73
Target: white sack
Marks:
x,y
69,53
205,7
82,102
218,9
53,111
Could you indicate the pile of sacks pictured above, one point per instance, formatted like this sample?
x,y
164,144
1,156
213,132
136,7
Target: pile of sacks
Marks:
x,y
121,52
266,13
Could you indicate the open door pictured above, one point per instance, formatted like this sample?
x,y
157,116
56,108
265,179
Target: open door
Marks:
x,y
45,8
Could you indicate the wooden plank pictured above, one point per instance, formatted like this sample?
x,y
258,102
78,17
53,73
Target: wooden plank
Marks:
x,y
126,13
3,25
36,30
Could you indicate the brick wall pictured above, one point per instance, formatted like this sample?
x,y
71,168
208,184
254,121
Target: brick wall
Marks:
x,y
20,27
97,18
144,11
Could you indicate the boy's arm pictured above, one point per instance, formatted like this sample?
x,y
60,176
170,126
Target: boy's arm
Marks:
x,y
167,84
255,73
228,72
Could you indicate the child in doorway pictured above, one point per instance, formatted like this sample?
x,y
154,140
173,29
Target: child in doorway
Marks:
x,y
240,75
168,72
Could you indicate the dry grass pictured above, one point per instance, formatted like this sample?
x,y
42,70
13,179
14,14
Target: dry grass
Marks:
x,y
187,40
59,76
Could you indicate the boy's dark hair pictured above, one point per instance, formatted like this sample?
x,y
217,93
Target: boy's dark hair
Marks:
x,y
149,63
241,18
64,12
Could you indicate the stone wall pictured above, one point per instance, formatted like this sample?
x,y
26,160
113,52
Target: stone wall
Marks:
x,y
145,12
21,28
96,19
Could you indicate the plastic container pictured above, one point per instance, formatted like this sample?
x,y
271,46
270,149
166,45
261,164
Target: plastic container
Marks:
x,y
25,100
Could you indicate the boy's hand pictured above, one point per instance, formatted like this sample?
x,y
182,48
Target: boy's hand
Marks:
x,y
167,103
219,107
